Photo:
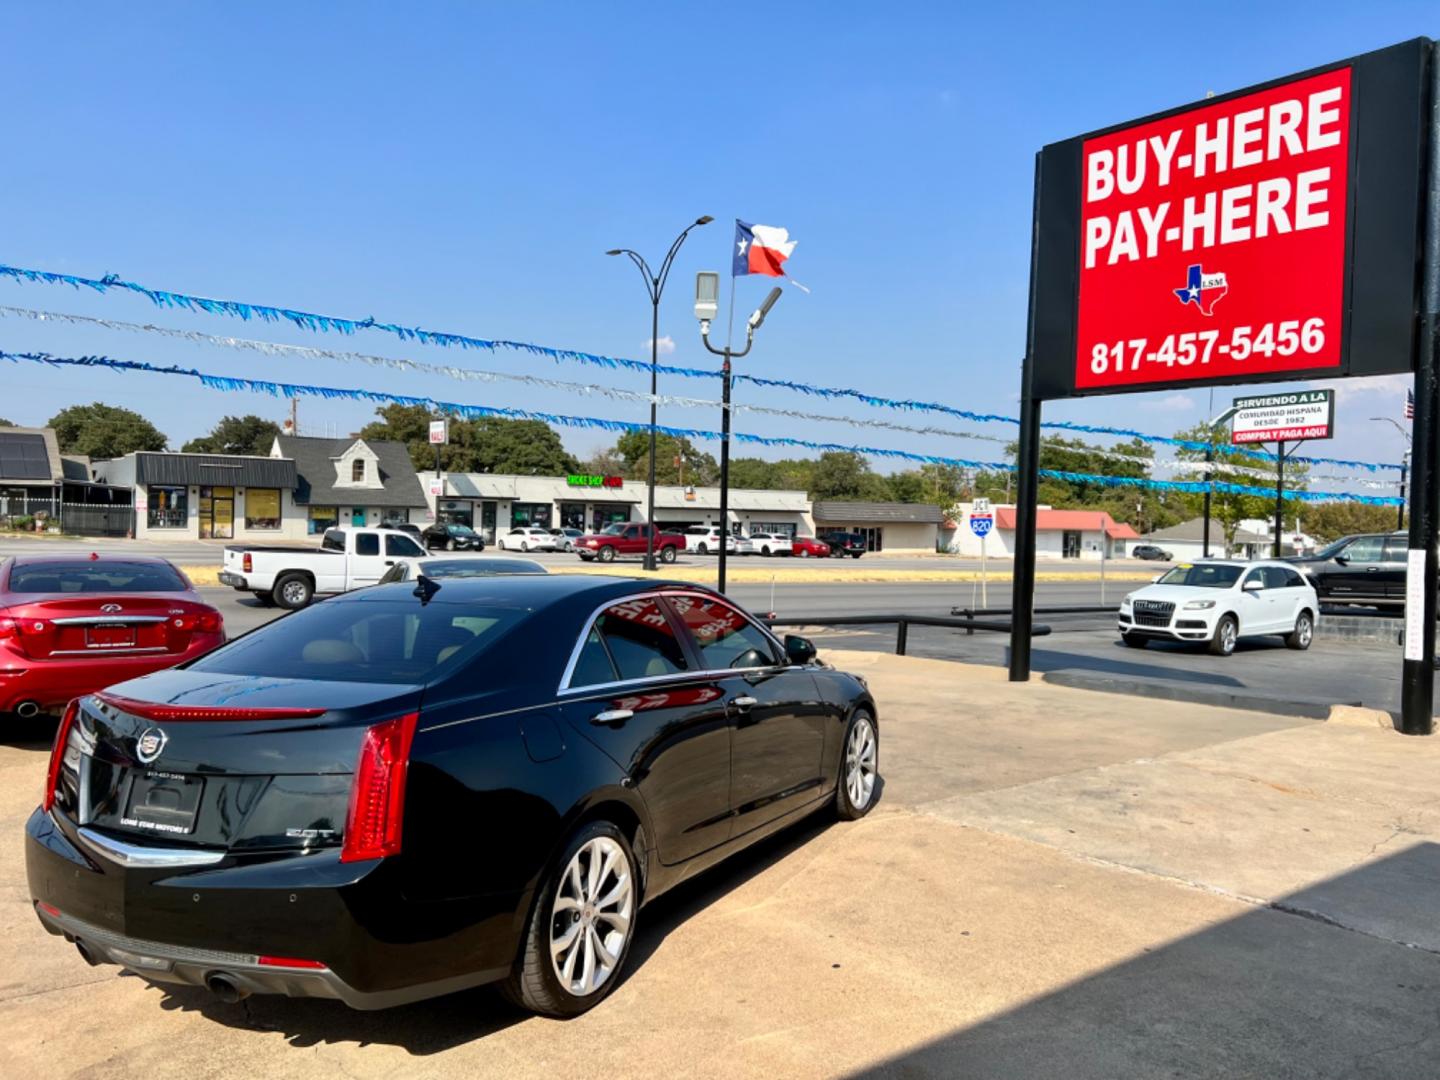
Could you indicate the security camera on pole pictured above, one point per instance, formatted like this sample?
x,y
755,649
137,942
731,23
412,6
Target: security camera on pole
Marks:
x,y
759,249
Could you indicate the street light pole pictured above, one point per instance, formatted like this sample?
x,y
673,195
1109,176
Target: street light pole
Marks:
x,y
655,288
1404,463
709,280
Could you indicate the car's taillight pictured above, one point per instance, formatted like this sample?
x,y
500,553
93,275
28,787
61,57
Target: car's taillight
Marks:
x,y
8,628
247,564
210,622
288,961
57,754
377,799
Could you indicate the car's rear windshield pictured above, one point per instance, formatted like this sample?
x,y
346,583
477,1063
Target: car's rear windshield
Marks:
x,y
374,641
1213,576
104,576
488,566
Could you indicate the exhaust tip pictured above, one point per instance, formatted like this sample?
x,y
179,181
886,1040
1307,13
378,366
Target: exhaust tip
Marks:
x,y
85,953
225,988
27,710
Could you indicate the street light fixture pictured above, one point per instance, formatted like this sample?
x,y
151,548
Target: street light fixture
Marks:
x,y
655,287
1404,465
707,296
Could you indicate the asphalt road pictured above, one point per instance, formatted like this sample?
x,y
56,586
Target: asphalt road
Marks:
x,y
1330,672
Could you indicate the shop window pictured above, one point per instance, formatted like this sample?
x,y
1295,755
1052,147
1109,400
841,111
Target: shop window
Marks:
x,y
322,518
780,528
167,507
357,471
572,515
262,508
536,514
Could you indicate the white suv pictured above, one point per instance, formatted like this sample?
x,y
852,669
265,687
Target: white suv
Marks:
x,y
705,540
771,543
528,538
1219,601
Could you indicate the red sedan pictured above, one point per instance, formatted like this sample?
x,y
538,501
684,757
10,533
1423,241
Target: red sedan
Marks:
x,y
807,546
74,624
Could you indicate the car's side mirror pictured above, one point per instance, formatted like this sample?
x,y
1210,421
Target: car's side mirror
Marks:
x,y
1342,560
799,650
1253,586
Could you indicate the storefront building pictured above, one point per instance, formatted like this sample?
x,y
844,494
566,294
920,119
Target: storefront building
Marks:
x,y
208,496
893,527
352,482
1059,534
492,504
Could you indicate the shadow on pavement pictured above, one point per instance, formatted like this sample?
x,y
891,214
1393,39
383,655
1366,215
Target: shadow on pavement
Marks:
x,y
439,1024
1267,994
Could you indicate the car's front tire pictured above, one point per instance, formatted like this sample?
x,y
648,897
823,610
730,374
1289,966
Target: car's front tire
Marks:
x,y
1227,632
667,554
580,927
804,553
1300,638
449,545
606,554
857,783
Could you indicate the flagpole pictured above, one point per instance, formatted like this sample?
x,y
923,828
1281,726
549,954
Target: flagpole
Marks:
x,y
725,441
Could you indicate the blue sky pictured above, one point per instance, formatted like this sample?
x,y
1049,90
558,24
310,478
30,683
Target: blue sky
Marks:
x,y
464,167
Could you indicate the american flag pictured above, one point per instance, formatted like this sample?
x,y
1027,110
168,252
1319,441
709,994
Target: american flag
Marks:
x,y
1409,404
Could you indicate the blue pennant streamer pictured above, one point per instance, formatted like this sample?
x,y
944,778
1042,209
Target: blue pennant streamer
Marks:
x,y
292,390
307,320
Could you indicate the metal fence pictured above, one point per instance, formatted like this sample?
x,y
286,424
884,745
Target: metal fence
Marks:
x,y
902,623
21,513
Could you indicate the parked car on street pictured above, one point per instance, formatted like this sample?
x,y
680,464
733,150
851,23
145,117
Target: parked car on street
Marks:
x,y
630,538
408,527
806,547
452,536
1150,551
705,540
527,538
565,538
768,544
293,576
1219,601
845,543
298,812
440,566
1358,569
71,624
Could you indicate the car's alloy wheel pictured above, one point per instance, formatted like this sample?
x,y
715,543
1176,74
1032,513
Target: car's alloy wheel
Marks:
x,y
607,554
859,767
581,925
1226,634
449,545
804,553
667,554
1303,634
703,550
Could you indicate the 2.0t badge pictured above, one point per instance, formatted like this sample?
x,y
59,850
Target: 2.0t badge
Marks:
x,y
149,744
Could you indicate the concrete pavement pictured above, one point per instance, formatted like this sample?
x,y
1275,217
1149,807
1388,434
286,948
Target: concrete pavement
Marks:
x,y
1055,883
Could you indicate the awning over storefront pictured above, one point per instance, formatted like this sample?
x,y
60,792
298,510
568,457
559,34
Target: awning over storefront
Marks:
x,y
533,489
742,500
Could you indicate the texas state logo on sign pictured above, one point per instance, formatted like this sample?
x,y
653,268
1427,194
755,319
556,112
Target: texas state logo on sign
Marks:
x,y
1212,242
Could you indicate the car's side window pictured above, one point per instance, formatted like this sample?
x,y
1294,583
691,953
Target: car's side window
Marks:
x,y
639,639
1276,577
1366,549
367,544
1258,574
725,637
1395,549
402,546
593,666
1293,580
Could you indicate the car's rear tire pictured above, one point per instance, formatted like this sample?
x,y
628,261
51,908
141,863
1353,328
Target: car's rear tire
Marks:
x,y
667,553
859,774
606,554
702,549
857,554
294,591
450,545
1227,632
804,553
1300,638
1135,641
591,903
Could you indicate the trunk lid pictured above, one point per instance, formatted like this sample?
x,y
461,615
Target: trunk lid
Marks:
x,y
218,761
70,626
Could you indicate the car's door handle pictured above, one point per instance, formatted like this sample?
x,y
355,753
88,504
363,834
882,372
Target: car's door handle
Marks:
x,y
743,704
1371,569
389,562
612,716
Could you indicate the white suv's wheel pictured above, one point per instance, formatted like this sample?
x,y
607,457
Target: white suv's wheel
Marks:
x,y
1304,632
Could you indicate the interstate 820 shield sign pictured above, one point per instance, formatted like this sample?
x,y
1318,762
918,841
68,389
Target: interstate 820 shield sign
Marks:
x,y
1264,235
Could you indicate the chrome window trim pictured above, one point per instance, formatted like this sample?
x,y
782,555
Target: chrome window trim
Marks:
x,y
565,689
134,855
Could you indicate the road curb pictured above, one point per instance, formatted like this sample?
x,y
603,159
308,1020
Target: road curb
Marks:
x,y
1108,684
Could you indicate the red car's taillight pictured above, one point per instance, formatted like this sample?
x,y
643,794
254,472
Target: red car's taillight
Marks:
x,y
159,710
210,622
8,628
377,799
57,753
247,564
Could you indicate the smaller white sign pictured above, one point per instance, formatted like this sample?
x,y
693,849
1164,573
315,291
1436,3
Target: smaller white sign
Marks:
x,y
1415,604
437,486
1301,414
439,431
980,506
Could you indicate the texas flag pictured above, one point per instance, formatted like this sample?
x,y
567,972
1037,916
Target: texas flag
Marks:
x,y
761,249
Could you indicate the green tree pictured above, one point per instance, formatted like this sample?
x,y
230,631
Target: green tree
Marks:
x,y
1230,508
847,476
7,423
488,444
1332,520
247,434
103,431
677,459
938,485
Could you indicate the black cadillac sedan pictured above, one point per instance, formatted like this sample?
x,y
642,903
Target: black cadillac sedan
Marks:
x,y
416,788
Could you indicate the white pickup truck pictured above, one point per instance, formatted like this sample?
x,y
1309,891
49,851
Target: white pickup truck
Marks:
x,y
292,576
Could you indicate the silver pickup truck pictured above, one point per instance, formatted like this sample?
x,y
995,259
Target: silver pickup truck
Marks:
x,y
292,576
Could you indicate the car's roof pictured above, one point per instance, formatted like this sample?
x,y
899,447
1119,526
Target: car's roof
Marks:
x,y
89,557
521,589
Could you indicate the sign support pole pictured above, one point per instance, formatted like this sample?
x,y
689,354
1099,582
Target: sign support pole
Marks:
x,y
1027,468
1417,688
1279,496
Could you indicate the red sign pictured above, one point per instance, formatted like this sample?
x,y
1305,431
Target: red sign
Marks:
x,y
1212,241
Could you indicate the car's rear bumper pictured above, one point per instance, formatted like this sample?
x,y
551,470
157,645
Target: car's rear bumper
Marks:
x,y
235,581
186,924
54,682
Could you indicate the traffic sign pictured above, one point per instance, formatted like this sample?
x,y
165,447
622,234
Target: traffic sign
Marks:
x,y
439,432
981,524
980,506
